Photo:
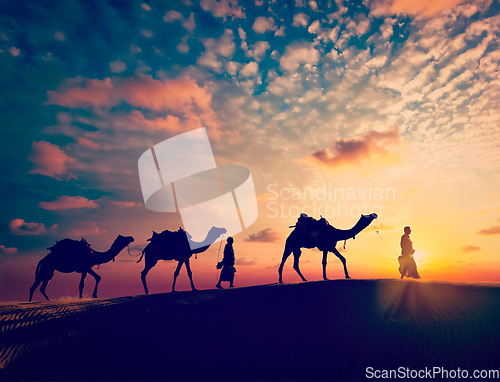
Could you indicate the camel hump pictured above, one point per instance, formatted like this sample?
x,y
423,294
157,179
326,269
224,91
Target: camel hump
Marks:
x,y
66,245
167,235
311,223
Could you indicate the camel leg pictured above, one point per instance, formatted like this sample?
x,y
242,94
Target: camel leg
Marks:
x,y
286,254
190,274
42,289
97,280
33,288
296,257
342,258
144,273
324,262
176,273
82,283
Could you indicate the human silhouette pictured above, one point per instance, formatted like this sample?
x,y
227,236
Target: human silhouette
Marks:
x,y
310,233
175,245
227,264
68,256
407,265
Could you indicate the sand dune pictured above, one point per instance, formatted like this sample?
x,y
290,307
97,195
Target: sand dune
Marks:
x,y
327,330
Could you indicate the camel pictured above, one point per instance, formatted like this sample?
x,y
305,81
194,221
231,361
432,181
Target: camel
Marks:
x,y
310,233
69,256
169,245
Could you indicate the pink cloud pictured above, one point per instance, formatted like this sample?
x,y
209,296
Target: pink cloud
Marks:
x,y
68,202
6,250
22,228
86,228
88,143
368,150
50,160
182,95
125,204
469,248
267,235
223,8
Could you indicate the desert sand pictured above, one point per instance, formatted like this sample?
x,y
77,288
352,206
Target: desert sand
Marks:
x,y
325,330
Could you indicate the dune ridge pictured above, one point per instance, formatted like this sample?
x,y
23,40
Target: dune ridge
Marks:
x,y
309,331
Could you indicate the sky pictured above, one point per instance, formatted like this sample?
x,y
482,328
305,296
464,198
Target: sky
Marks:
x,y
337,108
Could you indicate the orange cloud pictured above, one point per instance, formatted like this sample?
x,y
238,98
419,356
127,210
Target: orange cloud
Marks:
x,y
86,228
426,8
379,227
68,202
6,250
22,228
267,235
50,160
358,152
423,7
182,96
489,231
469,248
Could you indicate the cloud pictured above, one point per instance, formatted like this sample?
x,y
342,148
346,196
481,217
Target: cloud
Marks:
x,y
50,160
243,261
214,48
183,47
59,36
125,204
469,248
188,24
67,203
379,227
300,20
367,150
117,66
182,96
145,7
14,51
263,24
9,251
88,143
267,235
258,50
298,54
223,8
250,69
489,231
423,8
147,33
171,16
22,228
86,228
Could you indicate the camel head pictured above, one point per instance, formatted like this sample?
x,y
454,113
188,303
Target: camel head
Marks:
x,y
365,220
217,231
123,241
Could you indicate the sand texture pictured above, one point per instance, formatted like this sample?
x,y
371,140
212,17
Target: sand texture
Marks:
x,y
326,330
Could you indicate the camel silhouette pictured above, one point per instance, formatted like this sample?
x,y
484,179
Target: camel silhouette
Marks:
x,y
310,233
69,256
169,245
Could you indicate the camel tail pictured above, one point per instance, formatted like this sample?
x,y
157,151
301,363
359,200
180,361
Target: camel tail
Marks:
x,y
37,271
